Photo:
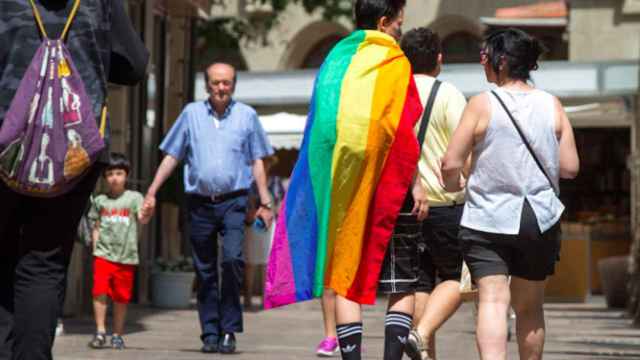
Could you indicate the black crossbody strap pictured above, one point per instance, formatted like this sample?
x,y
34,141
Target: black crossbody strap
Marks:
x,y
526,143
427,112
423,125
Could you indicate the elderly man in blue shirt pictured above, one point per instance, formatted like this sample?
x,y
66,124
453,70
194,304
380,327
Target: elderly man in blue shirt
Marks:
x,y
222,144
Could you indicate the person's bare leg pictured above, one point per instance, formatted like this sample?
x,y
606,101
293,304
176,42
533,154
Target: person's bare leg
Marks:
x,y
420,303
100,313
347,311
404,303
491,331
527,299
329,313
422,299
443,302
119,317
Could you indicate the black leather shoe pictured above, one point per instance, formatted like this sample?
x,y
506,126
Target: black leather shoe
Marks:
x,y
227,344
209,348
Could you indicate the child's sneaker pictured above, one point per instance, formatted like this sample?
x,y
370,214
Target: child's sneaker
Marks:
x,y
328,347
99,339
117,342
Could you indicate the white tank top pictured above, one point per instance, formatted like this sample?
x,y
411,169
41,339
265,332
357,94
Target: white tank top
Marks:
x,y
504,173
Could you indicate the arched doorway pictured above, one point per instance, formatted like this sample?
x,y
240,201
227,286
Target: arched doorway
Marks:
x,y
461,47
308,48
319,52
460,37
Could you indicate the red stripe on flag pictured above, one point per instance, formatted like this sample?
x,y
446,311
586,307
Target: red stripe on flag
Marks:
x,y
390,194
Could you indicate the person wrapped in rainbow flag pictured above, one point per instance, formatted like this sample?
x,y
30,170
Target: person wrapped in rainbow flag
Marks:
x,y
356,163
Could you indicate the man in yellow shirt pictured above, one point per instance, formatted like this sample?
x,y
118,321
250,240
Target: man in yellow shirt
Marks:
x,y
434,250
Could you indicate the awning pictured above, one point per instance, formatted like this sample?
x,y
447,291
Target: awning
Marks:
x,y
285,130
553,9
612,113
542,14
562,78
595,94
528,22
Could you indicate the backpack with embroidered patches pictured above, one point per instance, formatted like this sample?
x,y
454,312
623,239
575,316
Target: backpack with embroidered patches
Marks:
x,y
49,137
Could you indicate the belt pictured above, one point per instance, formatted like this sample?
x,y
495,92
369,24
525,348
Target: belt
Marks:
x,y
449,205
218,198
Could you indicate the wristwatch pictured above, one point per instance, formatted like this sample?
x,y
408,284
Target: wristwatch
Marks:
x,y
266,206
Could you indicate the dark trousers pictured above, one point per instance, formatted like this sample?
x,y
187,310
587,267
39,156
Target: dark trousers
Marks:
x,y
218,306
37,238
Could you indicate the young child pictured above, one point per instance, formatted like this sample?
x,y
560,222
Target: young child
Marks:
x,y
115,249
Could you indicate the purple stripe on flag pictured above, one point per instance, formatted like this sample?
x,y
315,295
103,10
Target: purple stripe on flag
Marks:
x,y
281,290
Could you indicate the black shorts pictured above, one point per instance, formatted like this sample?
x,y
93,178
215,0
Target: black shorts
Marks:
x,y
441,257
530,255
418,254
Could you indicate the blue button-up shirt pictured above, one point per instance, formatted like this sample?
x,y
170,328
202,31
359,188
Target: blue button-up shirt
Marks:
x,y
218,157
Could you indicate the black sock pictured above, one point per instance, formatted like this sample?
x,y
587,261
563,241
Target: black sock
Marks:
x,y
350,340
396,329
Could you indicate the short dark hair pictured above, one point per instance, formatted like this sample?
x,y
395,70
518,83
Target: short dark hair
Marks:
x,y
117,161
422,47
520,50
368,12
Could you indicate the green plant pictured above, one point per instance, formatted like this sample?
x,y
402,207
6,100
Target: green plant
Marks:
x,y
180,264
225,33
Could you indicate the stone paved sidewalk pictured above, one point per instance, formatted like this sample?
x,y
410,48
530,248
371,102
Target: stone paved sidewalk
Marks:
x,y
575,331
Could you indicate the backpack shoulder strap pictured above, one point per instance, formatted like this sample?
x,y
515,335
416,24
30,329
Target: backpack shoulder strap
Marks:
x,y
43,31
36,14
72,16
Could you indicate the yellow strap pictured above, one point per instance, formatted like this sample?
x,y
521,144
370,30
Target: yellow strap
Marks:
x,y
76,5
36,13
103,121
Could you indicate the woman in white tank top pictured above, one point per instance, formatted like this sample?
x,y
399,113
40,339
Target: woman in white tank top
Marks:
x,y
510,225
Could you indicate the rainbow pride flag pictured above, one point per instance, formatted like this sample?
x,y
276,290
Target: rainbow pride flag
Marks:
x,y
356,162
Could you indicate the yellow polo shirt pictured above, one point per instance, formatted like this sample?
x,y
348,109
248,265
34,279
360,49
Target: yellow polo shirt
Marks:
x,y
446,114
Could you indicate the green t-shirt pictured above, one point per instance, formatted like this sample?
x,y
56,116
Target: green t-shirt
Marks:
x,y
118,217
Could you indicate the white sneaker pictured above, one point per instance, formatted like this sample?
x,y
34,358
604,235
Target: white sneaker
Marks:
x,y
59,328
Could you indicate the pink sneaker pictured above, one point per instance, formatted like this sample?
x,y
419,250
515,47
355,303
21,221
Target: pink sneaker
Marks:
x,y
328,347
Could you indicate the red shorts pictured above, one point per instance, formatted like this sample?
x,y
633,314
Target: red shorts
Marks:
x,y
113,279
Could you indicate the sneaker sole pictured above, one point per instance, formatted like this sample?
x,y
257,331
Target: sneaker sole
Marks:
x,y
411,349
322,353
411,353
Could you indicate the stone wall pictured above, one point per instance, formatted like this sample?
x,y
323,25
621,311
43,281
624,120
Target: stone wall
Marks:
x,y
604,30
298,31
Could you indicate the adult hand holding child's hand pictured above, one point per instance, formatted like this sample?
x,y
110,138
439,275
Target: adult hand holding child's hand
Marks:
x,y
148,208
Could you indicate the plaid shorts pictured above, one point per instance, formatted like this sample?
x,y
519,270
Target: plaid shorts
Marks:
x,y
401,268
421,253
